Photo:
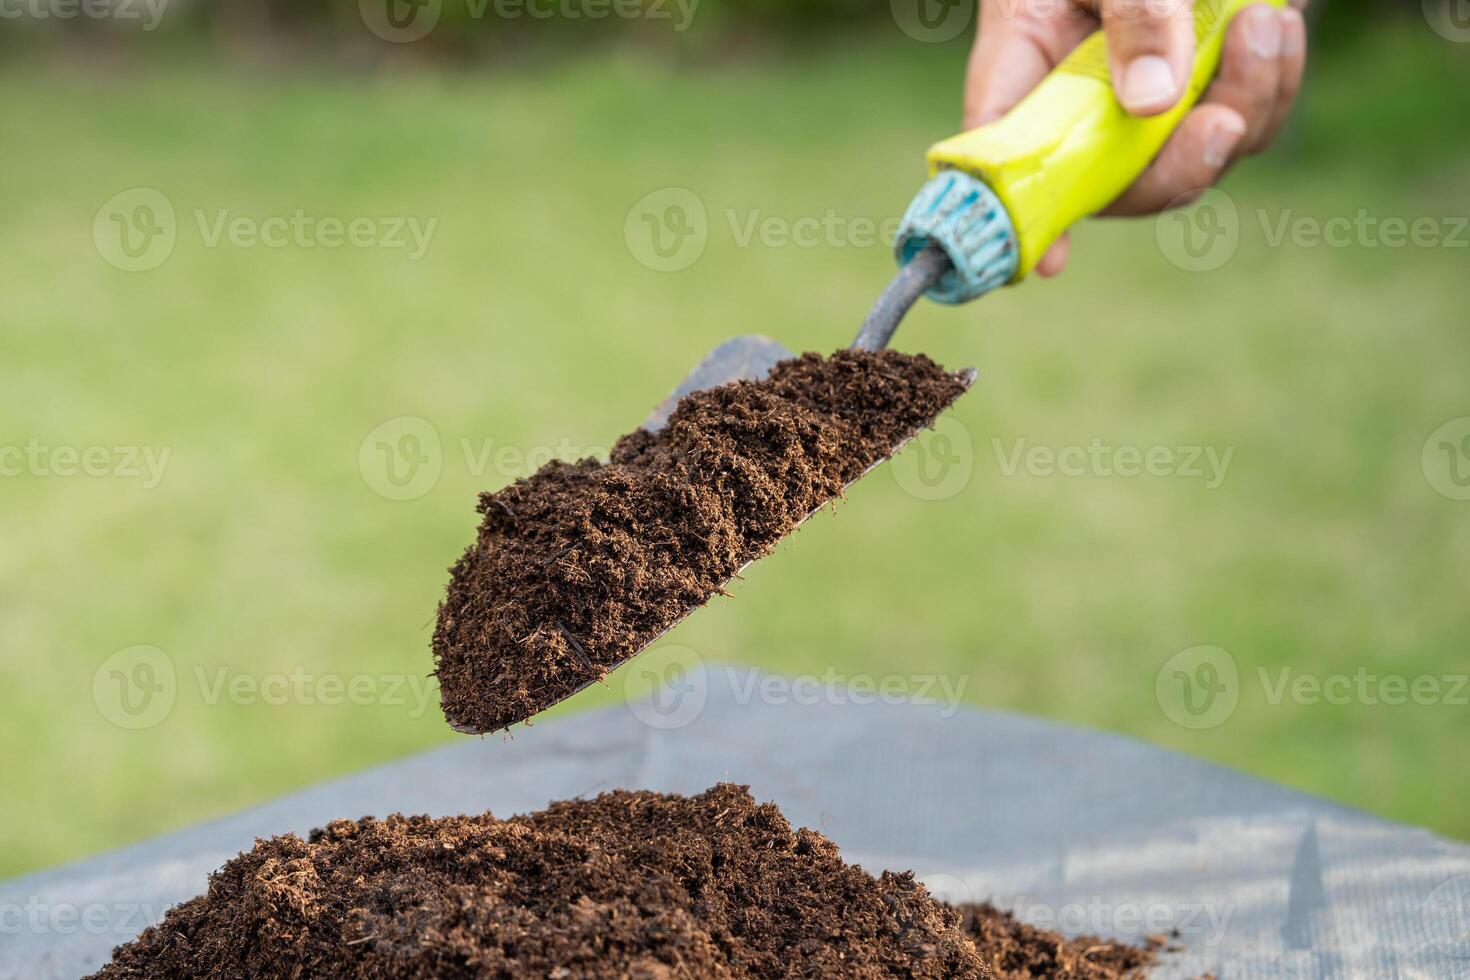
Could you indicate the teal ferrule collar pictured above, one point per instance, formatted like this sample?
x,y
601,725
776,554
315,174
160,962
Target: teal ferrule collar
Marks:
x,y
961,215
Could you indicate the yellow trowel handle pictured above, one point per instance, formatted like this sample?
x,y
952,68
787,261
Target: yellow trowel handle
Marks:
x,y
1069,148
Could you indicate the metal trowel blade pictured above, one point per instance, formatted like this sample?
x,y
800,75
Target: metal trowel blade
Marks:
x,y
748,357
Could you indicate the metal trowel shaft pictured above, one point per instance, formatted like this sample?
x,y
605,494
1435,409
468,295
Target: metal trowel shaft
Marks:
x,y
913,280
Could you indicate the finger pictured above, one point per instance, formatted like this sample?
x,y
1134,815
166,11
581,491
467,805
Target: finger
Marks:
x,y
1150,48
1002,69
1012,54
1194,158
1250,73
1055,258
1293,64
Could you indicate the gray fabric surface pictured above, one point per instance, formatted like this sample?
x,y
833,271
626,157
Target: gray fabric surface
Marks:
x,y
1078,829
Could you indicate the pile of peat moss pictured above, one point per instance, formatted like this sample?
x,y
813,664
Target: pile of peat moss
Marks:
x,y
628,885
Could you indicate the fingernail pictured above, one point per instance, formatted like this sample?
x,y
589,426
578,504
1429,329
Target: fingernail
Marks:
x,y
1293,32
1263,32
1148,84
1221,141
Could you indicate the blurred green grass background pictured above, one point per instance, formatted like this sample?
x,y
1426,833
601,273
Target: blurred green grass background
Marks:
x,y
531,324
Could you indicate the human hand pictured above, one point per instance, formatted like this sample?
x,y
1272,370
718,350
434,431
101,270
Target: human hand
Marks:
x,y
1150,51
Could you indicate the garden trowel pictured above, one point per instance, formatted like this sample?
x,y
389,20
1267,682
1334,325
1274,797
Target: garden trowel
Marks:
x,y
1000,195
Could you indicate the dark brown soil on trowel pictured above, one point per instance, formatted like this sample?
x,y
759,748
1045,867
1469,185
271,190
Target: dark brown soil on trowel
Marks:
x,y
637,886
581,565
